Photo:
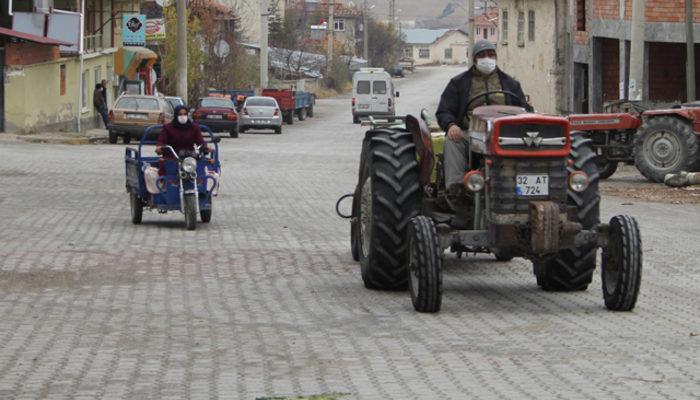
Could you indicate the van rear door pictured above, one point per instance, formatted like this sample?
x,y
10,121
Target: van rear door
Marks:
x,y
379,95
363,94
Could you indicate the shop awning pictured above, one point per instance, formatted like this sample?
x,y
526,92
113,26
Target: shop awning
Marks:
x,y
129,59
32,38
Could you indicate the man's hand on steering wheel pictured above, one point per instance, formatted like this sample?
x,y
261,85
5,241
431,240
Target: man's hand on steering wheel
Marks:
x,y
454,132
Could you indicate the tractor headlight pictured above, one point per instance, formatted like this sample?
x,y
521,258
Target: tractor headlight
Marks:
x,y
474,181
578,181
189,165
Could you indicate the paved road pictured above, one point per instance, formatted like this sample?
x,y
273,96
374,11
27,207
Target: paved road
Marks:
x,y
266,300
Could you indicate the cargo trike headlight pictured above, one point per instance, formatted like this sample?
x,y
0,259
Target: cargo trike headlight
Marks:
x,y
189,165
578,181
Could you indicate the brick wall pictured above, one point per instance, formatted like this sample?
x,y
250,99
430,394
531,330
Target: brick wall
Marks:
x,y
29,53
610,68
656,10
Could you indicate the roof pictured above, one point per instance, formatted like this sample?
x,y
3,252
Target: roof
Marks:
x,y
32,38
424,36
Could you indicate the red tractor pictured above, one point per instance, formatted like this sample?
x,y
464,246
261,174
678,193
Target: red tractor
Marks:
x,y
658,142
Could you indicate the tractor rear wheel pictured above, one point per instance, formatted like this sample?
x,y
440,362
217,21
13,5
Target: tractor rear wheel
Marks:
x,y
572,269
665,145
389,196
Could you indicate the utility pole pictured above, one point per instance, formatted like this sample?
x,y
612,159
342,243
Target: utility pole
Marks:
x,y
470,37
690,39
182,49
392,11
636,83
264,14
365,34
329,57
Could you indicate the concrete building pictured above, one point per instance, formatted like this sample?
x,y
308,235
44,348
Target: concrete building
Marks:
x,y
249,12
531,48
486,25
48,88
435,46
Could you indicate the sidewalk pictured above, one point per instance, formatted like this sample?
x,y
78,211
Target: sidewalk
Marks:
x,y
88,136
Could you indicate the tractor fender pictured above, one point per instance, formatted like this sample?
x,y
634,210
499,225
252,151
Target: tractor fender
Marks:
x,y
424,147
689,115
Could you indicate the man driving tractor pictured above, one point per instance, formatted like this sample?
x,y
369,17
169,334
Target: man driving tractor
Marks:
x,y
453,114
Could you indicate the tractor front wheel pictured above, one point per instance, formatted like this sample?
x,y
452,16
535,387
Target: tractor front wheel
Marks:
x,y
622,264
424,265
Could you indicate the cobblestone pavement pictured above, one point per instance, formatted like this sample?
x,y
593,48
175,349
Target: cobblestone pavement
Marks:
x,y
266,300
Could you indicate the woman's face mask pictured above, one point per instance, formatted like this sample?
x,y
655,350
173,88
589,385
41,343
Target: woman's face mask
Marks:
x,y
182,119
486,65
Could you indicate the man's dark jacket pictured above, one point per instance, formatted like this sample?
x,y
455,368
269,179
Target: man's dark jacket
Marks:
x,y
453,102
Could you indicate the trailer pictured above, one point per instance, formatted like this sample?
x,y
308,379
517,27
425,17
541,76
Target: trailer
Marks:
x,y
293,102
238,96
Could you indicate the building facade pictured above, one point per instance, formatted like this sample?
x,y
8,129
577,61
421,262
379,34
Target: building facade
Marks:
x,y
435,46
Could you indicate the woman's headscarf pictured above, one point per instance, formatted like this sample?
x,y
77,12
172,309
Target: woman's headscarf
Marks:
x,y
177,112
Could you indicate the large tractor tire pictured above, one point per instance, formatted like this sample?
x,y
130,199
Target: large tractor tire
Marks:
x,y
389,196
622,264
424,265
572,269
665,145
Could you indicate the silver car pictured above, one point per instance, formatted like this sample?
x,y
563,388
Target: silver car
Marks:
x,y
260,112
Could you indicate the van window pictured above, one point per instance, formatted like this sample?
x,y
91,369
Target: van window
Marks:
x,y
362,87
379,87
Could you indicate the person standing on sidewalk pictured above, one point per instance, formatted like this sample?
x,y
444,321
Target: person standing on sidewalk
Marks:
x,y
100,103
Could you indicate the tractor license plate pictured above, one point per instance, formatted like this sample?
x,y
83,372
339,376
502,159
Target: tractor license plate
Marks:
x,y
532,185
215,116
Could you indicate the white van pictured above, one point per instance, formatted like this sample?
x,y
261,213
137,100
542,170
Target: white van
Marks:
x,y
372,94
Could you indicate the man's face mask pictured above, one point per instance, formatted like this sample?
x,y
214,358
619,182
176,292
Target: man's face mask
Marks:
x,y
486,65
182,119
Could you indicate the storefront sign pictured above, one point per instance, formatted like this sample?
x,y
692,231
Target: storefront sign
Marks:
x,y
155,29
134,30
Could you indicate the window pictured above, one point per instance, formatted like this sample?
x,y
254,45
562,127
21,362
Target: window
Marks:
x,y
521,28
63,79
137,103
486,33
531,25
379,87
448,54
407,52
493,31
504,26
86,89
424,53
98,75
581,15
216,102
339,24
362,87
260,102
478,30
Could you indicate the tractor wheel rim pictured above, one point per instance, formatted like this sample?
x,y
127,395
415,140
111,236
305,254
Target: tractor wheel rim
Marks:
x,y
663,149
365,215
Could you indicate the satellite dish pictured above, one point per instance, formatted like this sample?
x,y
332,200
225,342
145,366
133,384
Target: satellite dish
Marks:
x,y
163,3
222,49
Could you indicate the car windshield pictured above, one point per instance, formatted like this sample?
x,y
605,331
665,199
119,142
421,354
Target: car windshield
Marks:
x,y
138,103
379,87
260,102
216,102
362,87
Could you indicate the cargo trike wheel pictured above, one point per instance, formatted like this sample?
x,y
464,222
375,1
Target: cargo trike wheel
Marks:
x,y
622,264
205,215
424,265
389,196
190,208
136,209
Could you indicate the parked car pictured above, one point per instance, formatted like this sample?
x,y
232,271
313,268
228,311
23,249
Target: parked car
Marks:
x,y
218,113
175,101
260,112
372,94
397,71
133,113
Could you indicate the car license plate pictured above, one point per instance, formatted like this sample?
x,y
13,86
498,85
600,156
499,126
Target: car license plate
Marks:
x,y
136,116
363,106
215,116
532,185
262,121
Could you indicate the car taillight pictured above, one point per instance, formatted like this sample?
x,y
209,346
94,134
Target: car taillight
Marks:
x,y
353,102
245,111
232,116
389,101
196,115
110,117
277,112
161,118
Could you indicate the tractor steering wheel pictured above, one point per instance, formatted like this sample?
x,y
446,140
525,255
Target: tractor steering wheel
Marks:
x,y
521,102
